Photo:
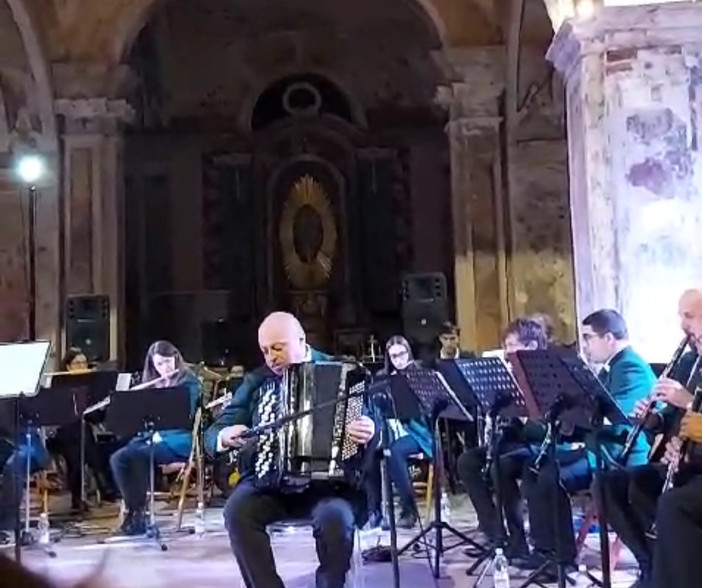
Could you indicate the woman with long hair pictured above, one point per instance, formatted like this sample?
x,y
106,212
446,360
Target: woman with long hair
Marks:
x,y
163,368
407,437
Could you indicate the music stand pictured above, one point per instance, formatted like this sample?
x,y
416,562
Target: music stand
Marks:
x,y
157,409
381,395
498,396
436,399
87,390
21,366
570,395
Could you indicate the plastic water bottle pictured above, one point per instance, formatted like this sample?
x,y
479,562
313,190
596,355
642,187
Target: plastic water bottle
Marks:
x,y
200,520
43,529
500,567
445,507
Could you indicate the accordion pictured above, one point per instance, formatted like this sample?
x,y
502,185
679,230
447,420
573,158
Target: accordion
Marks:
x,y
314,447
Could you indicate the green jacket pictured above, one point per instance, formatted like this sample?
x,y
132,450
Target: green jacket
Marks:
x,y
629,379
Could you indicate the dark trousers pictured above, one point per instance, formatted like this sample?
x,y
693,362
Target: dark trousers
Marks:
x,y
677,562
511,467
398,471
14,476
130,469
66,442
249,510
631,496
542,491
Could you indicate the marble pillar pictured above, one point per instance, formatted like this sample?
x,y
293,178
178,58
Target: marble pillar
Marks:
x,y
633,79
480,266
94,202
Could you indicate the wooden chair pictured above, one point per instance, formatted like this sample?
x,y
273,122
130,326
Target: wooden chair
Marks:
x,y
425,488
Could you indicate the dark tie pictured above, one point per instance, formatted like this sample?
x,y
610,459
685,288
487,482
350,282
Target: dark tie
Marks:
x,y
603,376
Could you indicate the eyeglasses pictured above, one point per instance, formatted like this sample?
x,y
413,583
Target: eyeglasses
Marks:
x,y
399,355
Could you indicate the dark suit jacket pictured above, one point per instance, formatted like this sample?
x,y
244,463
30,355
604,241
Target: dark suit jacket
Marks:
x,y
629,379
669,419
241,408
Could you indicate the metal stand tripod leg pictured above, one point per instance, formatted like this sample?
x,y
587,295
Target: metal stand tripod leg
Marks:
x,y
390,507
152,529
557,563
438,526
27,538
486,559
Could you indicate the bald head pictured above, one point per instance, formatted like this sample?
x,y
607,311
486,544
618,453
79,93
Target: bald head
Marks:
x,y
282,341
690,312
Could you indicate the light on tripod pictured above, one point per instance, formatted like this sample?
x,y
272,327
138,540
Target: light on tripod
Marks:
x,y
30,168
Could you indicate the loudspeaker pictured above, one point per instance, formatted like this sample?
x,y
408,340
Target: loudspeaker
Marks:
x,y
424,306
88,326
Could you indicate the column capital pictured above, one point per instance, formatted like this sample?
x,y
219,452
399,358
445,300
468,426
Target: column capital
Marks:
x,y
623,30
477,78
94,115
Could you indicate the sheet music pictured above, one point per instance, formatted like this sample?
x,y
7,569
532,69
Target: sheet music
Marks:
x,y
21,366
124,381
494,353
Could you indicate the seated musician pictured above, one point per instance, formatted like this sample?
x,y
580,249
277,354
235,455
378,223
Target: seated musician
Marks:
x,y
164,368
252,506
14,453
450,341
515,451
67,439
628,378
631,494
676,560
409,437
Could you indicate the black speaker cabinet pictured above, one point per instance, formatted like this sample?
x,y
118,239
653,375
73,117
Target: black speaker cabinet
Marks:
x,y
88,326
424,306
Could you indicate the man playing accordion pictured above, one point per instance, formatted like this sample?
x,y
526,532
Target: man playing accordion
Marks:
x,y
335,510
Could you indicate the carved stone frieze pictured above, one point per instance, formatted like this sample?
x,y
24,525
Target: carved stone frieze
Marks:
x,y
94,115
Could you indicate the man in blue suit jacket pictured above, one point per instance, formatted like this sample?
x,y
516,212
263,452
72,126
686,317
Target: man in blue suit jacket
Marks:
x,y
629,379
250,508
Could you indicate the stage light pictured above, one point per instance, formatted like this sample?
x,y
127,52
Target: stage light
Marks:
x,y
30,168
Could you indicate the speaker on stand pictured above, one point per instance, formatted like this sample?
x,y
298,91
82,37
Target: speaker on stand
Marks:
x,y
424,309
88,326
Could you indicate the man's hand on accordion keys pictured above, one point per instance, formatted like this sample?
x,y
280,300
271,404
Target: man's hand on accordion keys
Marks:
x,y
361,430
230,437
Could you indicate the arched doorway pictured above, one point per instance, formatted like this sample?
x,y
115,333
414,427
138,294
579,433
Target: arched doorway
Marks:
x,y
281,153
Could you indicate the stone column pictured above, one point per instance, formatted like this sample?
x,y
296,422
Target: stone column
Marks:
x,y
93,203
634,100
480,266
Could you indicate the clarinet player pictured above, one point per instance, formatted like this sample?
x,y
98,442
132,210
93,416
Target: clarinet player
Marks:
x,y
250,508
631,493
676,560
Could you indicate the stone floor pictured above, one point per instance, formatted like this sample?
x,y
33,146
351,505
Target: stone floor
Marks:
x,y
206,562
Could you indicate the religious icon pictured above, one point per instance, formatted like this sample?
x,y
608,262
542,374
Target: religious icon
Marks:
x,y
307,234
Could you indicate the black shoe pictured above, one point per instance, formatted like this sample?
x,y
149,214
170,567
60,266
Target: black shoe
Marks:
x,y
134,523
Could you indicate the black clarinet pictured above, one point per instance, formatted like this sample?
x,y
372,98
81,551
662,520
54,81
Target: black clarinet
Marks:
x,y
651,403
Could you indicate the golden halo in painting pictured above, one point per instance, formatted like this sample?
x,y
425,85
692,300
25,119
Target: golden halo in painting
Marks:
x,y
307,234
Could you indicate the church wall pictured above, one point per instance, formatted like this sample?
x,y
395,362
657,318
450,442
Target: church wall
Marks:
x,y
541,274
175,257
